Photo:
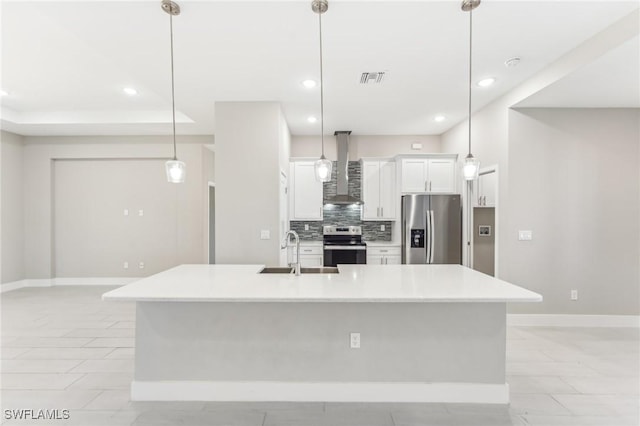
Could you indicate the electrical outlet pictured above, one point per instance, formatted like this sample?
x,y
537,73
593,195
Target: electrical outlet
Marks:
x,y
355,340
126,212
382,227
416,146
306,226
141,265
525,235
574,294
126,265
140,212
265,234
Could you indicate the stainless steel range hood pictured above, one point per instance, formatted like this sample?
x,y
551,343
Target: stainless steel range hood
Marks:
x,y
342,194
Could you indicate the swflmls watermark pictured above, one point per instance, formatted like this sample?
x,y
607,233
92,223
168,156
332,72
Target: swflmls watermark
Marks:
x,y
31,414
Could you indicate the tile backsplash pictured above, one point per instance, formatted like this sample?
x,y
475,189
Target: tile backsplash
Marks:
x,y
335,214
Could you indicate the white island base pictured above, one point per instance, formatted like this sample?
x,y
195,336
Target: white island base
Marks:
x,y
294,345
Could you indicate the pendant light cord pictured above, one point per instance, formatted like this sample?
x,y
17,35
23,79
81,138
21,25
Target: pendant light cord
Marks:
x,y
321,86
173,101
470,50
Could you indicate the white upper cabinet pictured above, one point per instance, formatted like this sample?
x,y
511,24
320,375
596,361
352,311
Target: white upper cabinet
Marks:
x,y
379,190
487,187
432,175
305,200
414,175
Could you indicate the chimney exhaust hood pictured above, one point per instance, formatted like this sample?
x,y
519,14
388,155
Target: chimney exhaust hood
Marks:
x,y
342,194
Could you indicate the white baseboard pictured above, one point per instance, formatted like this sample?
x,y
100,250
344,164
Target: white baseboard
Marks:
x,y
560,320
472,393
14,285
93,281
50,282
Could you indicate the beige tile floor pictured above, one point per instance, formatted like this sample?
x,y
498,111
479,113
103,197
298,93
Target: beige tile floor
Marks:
x,y
64,348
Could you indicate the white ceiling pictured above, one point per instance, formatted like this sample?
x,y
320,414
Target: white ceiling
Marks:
x,y
65,63
612,81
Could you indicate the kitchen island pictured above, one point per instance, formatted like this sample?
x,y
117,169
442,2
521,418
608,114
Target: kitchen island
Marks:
x,y
427,333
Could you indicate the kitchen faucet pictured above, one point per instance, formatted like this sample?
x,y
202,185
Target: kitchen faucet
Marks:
x,y
296,238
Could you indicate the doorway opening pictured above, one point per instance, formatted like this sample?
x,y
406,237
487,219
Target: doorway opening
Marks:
x,y
484,222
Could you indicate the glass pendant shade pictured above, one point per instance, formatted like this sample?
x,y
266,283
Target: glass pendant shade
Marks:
x,y
176,171
323,169
471,168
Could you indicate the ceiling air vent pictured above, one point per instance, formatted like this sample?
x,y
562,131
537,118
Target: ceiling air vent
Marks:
x,y
371,77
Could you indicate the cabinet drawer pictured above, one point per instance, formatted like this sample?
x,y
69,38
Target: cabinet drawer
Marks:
x,y
384,251
308,250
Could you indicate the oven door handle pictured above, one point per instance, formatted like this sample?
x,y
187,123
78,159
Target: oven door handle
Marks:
x,y
345,247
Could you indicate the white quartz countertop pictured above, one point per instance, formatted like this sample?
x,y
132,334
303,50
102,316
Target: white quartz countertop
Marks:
x,y
354,283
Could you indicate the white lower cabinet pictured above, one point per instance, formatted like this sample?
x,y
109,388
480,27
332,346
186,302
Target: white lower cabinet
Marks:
x,y
310,255
384,255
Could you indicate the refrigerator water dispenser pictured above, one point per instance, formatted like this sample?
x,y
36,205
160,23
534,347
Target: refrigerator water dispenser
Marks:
x,y
417,238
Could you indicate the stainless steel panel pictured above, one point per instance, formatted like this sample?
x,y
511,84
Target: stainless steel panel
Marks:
x,y
414,217
345,247
446,235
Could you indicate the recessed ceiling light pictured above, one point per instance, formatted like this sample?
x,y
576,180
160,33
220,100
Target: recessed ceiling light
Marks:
x,y
130,91
3,93
486,82
312,119
439,118
309,84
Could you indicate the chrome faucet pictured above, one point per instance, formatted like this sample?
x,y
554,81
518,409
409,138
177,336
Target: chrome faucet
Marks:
x,y
296,238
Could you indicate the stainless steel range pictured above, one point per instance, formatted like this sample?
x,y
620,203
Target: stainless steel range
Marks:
x,y
343,245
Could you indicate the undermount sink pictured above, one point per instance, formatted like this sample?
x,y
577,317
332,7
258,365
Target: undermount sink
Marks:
x,y
288,270
276,270
320,270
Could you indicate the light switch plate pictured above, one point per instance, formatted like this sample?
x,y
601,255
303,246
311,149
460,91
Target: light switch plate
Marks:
x,y
140,212
525,235
265,234
306,226
382,227
126,212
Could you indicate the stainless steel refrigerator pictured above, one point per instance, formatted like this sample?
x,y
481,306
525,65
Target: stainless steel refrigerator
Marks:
x,y
431,229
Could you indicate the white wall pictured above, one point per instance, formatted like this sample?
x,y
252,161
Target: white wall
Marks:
x,y
491,135
365,146
574,182
11,191
251,143
40,153
92,235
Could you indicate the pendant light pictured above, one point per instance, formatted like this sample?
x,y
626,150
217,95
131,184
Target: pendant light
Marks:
x,y
322,166
176,170
471,166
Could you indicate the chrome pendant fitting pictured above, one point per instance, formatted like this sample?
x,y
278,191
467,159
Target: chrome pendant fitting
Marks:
x,y
171,7
320,6
468,5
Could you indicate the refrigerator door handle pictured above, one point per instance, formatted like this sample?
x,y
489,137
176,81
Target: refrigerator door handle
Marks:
x,y
407,246
431,234
428,238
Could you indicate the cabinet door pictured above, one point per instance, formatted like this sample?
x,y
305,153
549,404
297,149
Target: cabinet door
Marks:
x,y
392,260
388,200
487,189
375,260
306,192
414,175
311,260
371,190
442,175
